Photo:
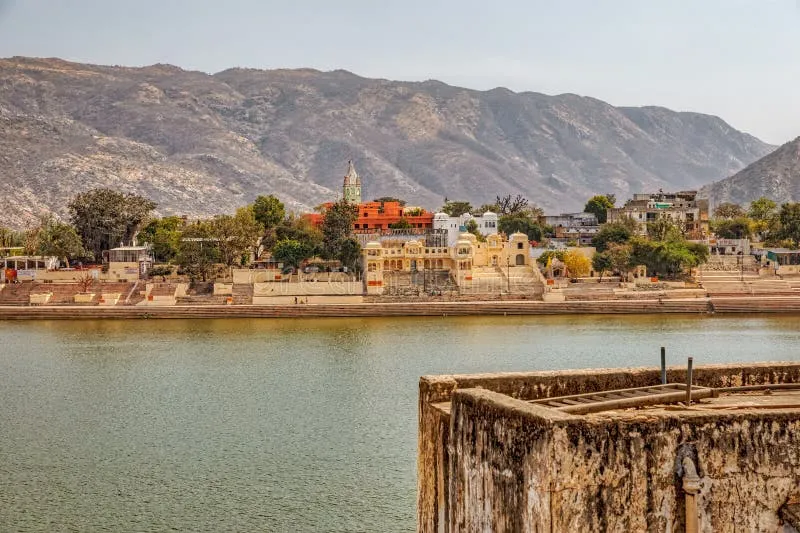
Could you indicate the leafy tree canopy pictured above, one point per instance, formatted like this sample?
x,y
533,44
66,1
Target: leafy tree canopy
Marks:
x,y
292,252
164,235
599,205
237,235
733,228
602,262
58,240
728,210
762,209
788,223
104,218
665,229
198,251
521,222
268,211
337,227
668,258
456,208
472,227
614,232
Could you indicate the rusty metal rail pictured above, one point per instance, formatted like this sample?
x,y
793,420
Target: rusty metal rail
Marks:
x,y
596,402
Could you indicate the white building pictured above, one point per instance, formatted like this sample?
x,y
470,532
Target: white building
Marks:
x,y
487,224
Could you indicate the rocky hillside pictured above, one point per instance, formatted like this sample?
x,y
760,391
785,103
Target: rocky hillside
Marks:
x,y
200,144
776,176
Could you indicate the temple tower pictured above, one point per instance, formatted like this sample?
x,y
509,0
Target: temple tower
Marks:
x,y
351,191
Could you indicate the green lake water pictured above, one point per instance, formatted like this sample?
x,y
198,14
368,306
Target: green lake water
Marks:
x,y
277,425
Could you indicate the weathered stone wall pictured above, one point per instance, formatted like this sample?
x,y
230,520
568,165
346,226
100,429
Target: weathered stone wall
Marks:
x,y
484,442
515,467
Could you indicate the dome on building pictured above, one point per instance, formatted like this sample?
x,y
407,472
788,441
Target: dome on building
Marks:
x,y
441,216
517,236
490,214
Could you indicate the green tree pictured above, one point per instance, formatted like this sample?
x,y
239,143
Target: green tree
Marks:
x,y
472,227
613,232
493,208
602,262
762,209
521,222
788,223
733,228
164,235
456,208
337,227
763,213
198,251
599,206
292,252
620,255
105,218
60,240
295,228
350,254
10,238
236,235
550,255
669,258
728,210
664,229
268,211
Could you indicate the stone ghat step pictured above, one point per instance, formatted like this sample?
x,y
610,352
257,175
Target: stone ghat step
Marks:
x,y
360,310
749,305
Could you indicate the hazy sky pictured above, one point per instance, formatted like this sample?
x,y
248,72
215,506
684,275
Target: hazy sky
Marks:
x,y
733,58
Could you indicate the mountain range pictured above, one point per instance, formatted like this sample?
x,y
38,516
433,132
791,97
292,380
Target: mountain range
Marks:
x,y
200,144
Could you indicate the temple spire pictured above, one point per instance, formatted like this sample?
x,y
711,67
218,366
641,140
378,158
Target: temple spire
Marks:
x,y
351,190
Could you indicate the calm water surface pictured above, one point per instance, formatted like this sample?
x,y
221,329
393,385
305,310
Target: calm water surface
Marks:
x,y
276,425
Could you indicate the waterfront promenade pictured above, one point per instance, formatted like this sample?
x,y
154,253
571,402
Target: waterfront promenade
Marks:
x,y
708,305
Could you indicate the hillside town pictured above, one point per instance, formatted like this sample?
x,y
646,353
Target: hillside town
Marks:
x,y
660,245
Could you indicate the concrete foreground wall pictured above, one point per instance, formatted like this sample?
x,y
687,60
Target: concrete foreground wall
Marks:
x,y
493,462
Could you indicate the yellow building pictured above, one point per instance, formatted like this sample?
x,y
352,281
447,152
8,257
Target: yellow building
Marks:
x,y
497,265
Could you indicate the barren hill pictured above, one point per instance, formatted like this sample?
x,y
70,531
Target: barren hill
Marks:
x,y
200,144
776,176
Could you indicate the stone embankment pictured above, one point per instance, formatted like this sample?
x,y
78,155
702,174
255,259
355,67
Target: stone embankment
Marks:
x,y
695,306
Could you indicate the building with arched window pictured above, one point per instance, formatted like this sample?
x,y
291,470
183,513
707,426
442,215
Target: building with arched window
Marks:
x,y
492,265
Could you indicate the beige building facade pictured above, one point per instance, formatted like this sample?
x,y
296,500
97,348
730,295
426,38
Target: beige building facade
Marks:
x,y
468,262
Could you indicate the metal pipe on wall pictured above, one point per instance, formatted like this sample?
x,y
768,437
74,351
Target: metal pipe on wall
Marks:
x,y
691,486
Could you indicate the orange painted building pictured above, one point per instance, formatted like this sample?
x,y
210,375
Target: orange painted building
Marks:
x,y
374,215
378,216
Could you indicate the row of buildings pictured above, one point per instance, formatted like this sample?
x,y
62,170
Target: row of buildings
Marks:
x,y
375,217
683,208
